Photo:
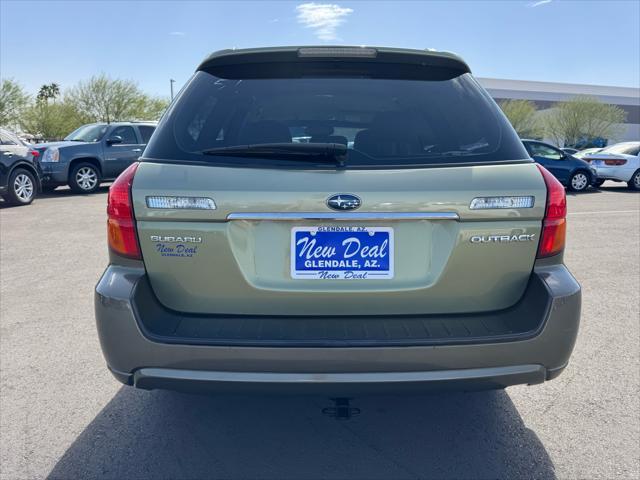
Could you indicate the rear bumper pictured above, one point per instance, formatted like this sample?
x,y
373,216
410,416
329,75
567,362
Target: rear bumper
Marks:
x,y
140,359
619,174
337,383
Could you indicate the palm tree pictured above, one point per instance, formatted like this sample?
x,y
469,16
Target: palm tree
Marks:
x,y
43,93
48,91
54,90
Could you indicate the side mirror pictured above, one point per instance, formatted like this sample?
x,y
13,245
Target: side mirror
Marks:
x,y
114,140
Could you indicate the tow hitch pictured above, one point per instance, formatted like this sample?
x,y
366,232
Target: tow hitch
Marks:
x,y
341,410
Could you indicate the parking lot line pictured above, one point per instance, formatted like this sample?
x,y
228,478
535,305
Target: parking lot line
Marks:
x,y
604,211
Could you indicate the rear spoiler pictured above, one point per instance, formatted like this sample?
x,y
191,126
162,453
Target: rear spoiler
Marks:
x,y
291,61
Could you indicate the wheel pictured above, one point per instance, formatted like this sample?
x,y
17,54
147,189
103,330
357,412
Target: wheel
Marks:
x,y
598,183
48,188
22,187
579,182
84,178
634,183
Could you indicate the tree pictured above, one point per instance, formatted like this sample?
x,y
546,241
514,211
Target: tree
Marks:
x,y
522,115
583,118
151,108
52,121
102,99
13,100
46,92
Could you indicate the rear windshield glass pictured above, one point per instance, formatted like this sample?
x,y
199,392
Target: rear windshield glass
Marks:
x,y
382,122
623,148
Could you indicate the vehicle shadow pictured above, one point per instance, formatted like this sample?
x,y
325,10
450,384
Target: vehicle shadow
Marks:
x,y
589,191
66,192
610,187
58,193
619,187
179,436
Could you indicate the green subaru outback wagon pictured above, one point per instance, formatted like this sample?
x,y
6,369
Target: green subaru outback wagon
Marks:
x,y
335,219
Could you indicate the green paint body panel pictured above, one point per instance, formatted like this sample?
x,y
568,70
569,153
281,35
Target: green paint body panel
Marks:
x,y
243,266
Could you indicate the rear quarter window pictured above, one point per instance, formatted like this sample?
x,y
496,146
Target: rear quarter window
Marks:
x,y
623,149
145,132
384,122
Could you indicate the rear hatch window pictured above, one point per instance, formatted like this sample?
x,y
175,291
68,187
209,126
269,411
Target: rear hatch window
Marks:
x,y
364,115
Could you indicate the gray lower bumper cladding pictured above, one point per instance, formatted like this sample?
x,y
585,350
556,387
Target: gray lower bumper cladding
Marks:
x,y
528,343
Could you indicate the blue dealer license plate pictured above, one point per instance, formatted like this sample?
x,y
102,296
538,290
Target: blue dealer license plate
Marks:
x,y
342,253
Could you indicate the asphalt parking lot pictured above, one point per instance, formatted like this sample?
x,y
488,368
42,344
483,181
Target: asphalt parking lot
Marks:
x,y
62,415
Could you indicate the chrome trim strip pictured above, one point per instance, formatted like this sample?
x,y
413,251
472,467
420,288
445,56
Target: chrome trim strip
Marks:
x,y
149,375
345,216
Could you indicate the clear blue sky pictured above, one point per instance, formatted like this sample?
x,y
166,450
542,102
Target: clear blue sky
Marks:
x,y
593,42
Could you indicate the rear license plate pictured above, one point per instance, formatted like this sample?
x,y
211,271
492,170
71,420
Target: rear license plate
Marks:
x,y
342,253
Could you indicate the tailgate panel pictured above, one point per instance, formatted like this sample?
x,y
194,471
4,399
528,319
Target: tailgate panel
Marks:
x,y
244,266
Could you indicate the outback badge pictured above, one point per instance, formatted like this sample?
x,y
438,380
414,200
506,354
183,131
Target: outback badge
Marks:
x,y
525,237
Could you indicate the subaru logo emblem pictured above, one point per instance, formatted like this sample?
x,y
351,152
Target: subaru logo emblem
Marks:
x,y
343,201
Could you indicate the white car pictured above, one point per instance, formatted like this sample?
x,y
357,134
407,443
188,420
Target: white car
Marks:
x,y
587,151
619,162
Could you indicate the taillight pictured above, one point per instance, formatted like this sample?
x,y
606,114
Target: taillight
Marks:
x,y
35,154
121,227
615,162
554,225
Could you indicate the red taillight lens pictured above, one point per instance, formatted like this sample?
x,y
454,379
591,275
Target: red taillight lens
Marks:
x,y
553,237
615,162
554,225
35,154
121,227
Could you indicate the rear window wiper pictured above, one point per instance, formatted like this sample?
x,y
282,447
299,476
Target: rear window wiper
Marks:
x,y
469,149
312,152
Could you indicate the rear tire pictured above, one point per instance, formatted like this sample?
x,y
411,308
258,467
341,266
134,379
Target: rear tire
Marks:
x,y
579,181
634,183
48,188
22,187
84,178
598,183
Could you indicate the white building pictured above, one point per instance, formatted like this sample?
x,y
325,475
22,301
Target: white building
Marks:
x,y
545,94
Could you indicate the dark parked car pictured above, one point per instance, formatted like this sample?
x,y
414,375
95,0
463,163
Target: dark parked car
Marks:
x,y
573,173
19,172
93,153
